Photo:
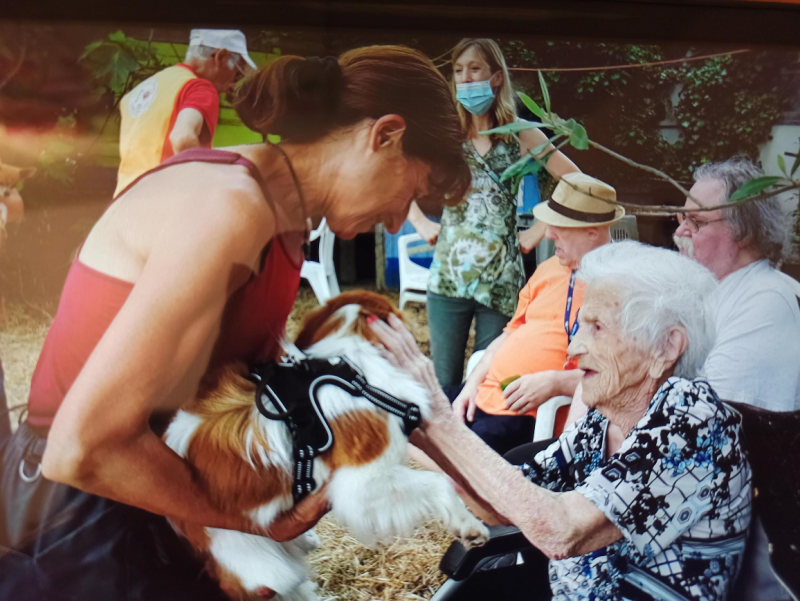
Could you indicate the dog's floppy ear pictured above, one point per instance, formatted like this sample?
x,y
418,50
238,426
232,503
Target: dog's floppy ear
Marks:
x,y
320,323
376,305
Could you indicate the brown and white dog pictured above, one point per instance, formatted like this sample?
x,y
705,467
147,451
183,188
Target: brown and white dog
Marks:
x,y
245,460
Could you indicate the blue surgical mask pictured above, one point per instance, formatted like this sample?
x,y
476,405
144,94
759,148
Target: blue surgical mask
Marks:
x,y
477,96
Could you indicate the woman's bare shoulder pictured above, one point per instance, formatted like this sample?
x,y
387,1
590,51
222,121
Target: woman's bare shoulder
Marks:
x,y
205,202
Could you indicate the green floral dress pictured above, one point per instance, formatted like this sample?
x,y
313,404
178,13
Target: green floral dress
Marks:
x,y
477,255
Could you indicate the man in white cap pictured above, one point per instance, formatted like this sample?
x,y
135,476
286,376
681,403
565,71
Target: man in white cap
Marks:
x,y
178,108
533,346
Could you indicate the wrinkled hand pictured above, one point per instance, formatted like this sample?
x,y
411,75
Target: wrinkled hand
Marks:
x,y
401,350
429,231
300,518
464,405
528,392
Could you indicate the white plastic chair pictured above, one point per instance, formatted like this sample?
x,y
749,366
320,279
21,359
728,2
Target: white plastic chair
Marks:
x,y
413,277
321,274
625,229
545,415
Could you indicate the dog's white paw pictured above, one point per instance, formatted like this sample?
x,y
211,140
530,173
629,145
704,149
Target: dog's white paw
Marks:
x,y
308,541
472,533
307,591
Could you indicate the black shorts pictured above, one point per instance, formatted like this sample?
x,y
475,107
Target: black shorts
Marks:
x,y
58,543
501,432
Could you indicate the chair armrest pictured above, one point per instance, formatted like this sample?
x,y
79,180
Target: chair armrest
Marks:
x,y
473,361
546,417
458,562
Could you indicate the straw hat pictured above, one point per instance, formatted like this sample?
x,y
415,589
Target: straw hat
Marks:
x,y
571,207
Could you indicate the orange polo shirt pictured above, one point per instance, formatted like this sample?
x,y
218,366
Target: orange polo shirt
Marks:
x,y
537,339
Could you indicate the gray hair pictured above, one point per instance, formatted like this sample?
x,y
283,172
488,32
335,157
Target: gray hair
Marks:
x,y
760,225
201,52
658,289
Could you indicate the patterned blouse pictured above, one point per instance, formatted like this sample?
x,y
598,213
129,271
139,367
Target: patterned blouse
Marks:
x,y
678,489
477,255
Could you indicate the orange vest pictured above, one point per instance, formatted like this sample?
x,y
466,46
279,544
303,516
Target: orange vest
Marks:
x,y
146,112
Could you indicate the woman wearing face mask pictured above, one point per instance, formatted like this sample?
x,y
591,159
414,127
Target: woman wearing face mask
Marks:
x,y
477,268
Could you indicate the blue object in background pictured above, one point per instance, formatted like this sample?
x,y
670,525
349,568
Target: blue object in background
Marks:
x,y
392,263
530,195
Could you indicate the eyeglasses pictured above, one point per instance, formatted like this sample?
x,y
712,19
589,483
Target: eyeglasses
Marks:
x,y
236,63
693,224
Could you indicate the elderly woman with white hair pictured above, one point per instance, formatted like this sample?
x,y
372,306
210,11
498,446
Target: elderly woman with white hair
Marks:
x,y
648,494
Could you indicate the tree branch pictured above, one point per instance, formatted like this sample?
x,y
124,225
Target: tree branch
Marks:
x,y
665,210
647,168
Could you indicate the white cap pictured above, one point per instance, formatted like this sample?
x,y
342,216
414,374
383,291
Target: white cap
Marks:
x,y
229,39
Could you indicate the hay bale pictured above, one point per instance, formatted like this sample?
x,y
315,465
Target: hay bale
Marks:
x,y
406,569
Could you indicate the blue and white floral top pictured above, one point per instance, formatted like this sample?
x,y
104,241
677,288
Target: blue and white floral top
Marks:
x,y
678,489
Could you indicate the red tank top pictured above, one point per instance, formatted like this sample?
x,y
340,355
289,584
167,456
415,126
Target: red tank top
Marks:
x,y
254,317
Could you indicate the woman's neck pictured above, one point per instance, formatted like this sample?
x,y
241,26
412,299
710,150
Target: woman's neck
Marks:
x,y
630,406
301,199
481,123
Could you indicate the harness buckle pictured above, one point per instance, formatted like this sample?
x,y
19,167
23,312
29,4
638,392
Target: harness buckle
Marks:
x,y
411,419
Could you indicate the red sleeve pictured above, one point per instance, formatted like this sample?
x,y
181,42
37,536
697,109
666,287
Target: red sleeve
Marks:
x,y
201,95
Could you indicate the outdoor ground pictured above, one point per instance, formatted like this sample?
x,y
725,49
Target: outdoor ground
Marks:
x,y
346,570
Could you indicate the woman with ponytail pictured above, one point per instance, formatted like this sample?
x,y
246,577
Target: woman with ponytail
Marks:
x,y
477,268
195,264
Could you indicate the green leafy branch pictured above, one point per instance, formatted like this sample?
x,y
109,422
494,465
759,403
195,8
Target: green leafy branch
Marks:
x,y
121,62
569,131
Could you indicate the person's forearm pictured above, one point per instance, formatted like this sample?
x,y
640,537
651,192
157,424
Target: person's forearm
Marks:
x,y
539,513
416,216
559,165
142,472
566,381
184,142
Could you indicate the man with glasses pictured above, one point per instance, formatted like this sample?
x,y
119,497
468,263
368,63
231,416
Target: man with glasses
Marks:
x,y
756,358
178,107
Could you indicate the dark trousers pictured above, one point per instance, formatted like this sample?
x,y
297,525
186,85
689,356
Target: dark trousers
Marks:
x,y
58,543
449,320
501,432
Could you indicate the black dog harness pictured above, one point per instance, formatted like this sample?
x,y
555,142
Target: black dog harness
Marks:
x,y
292,385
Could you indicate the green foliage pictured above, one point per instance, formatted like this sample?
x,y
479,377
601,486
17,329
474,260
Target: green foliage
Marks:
x,y
727,106
120,62
514,128
531,104
756,186
722,106
531,162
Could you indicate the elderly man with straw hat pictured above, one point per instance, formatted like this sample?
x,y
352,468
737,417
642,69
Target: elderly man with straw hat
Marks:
x,y
533,346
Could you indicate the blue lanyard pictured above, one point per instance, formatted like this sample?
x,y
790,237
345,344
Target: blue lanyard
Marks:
x,y
574,330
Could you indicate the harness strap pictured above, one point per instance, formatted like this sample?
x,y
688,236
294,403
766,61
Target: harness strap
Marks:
x,y
292,385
